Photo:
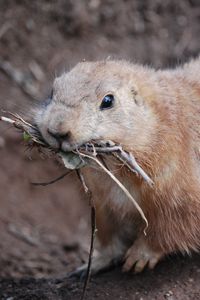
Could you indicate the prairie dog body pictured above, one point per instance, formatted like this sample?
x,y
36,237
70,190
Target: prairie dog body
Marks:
x,y
156,116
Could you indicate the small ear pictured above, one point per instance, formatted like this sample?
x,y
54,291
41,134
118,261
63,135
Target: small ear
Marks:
x,y
137,98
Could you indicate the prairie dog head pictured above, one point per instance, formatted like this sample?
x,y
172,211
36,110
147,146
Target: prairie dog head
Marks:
x,y
96,101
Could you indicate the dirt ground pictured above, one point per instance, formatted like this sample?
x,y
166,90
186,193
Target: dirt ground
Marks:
x,y
44,231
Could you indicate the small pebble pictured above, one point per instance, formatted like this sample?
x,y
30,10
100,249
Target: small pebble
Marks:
x,y
168,295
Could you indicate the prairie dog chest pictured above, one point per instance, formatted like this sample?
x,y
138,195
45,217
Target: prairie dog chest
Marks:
x,y
107,193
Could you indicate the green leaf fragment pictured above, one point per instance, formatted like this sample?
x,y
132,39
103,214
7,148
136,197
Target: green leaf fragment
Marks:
x,y
26,137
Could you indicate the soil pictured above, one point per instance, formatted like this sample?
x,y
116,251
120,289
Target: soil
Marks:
x,y
44,230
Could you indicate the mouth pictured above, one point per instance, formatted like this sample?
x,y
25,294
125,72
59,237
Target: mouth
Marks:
x,y
66,147
78,155
91,146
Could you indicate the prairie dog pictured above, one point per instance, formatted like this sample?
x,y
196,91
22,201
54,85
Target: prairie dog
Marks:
x,y
156,116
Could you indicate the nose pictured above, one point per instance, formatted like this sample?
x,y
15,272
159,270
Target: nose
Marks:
x,y
59,136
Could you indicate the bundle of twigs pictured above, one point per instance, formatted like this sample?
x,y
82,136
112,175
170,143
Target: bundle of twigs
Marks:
x,y
89,152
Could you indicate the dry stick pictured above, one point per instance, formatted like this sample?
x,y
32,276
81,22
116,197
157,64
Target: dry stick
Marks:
x,y
52,181
18,124
20,119
8,120
120,185
129,159
21,124
124,162
93,231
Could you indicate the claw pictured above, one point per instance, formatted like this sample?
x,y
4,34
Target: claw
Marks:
x,y
140,265
139,256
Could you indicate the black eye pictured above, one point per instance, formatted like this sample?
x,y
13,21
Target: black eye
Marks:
x,y
107,102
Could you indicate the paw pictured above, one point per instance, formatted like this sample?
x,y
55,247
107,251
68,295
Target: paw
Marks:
x,y
99,264
79,273
139,256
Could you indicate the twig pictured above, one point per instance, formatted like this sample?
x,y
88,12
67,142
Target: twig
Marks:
x,y
127,157
124,162
52,181
93,232
8,120
16,116
120,185
82,180
24,126
131,160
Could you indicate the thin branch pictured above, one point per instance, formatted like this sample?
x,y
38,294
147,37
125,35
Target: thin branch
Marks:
x,y
131,160
82,180
127,157
8,120
52,181
120,185
93,231
24,126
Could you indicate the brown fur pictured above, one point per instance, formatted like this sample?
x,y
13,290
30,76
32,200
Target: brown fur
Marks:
x,y
157,118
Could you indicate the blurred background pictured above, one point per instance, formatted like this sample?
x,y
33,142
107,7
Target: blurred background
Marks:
x,y
43,230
